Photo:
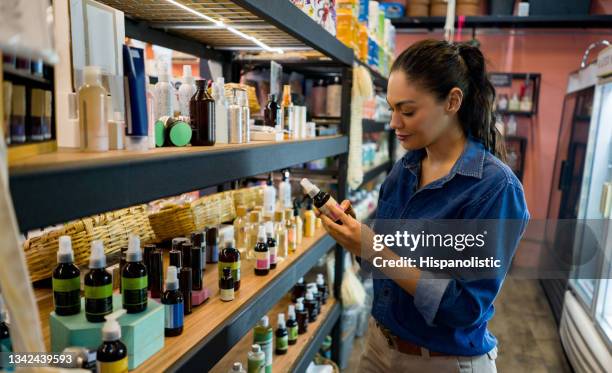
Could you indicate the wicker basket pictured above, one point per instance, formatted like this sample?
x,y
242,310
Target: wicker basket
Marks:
x,y
172,221
213,210
112,228
248,197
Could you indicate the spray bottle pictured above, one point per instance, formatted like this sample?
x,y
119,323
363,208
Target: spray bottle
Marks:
x,y
262,254
282,336
112,355
301,316
98,285
66,281
221,111
186,90
173,304
163,93
292,326
134,280
284,191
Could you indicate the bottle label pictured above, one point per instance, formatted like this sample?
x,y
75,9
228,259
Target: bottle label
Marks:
x,y
273,259
264,340
327,210
119,366
273,254
235,266
292,333
262,259
174,315
282,343
134,290
256,365
66,292
226,294
99,300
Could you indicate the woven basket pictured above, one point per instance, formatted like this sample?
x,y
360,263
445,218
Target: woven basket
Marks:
x,y
248,197
112,228
172,221
213,210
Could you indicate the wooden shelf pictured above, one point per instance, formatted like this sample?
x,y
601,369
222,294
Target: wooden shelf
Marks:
x,y
296,353
216,326
78,184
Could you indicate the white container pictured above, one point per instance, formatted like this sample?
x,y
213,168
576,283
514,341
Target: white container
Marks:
x,y
186,90
269,198
234,123
92,111
221,112
163,94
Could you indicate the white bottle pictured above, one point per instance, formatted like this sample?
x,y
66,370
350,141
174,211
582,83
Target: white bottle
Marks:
x,y
284,192
510,126
243,101
234,120
186,91
92,111
151,114
163,93
269,197
221,111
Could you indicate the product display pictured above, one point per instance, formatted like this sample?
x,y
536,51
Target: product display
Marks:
x,y
66,281
137,121
282,336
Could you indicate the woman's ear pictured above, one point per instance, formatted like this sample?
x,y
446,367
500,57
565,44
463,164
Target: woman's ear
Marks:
x,y
454,100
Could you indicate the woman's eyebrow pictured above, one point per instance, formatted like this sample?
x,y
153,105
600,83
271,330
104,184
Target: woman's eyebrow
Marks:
x,y
398,104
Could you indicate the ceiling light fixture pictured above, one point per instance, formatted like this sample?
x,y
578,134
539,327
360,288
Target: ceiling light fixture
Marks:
x,y
227,27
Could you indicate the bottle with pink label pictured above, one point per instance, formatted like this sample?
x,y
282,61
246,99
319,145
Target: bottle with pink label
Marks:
x,y
262,253
323,201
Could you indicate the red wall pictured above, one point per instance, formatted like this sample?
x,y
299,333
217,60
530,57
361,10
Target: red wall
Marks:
x,y
552,53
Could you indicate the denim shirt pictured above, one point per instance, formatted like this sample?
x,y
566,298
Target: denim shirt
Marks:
x,y
447,315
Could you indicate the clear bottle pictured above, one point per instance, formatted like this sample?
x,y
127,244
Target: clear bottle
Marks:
x,y
271,242
186,90
134,280
280,233
292,325
262,254
66,281
241,229
202,115
234,120
163,92
262,335
230,258
284,191
269,197
309,220
288,113
282,336
299,223
98,285
92,111
333,102
172,299
254,218
291,227
256,360
221,111
243,101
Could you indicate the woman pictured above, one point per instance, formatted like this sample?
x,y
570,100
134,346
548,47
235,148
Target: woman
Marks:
x,y
442,112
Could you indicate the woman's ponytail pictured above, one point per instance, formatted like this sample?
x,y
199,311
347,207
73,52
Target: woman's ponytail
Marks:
x,y
440,66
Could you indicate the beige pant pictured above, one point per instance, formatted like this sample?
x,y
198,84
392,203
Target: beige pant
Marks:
x,y
379,357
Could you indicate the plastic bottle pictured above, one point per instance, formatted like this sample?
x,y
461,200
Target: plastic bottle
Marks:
x,y
301,316
299,290
112,355
511,126
134,280
271,241
98,285
237,368
92,111
291,230
299,223
172,299
186,90
6,345
163,92
282,336
212,245
256,360
202,116
311,306
186,287
323,201
243,101
322,288
312,287
269,197
309,220
230,258
262,335
66,281
292,326
240,229
253,228
234,120
262,254
284,191
198,239
221,111
280,233
226,285
319,97
288,113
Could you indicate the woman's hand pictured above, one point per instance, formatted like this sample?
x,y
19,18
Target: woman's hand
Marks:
x,y
347,234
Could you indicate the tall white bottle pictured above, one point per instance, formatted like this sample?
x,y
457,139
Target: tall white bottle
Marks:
x,y
221,111
269,197
92,111
186,91
163,93
284,192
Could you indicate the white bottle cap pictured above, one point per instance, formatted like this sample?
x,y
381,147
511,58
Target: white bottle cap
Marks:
x,y
261,235
312,287
111,331
133,252
291,312
301,280
65,253
91,74
309,295
299,304
229,243
237,367
97,259
187,76
309,188
172,279
256,348
265,322
281,321
320,279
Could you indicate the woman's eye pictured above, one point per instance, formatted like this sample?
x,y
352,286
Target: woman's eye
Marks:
x,y
408,114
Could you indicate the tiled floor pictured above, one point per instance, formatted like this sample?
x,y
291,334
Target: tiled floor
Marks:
x,y
526,330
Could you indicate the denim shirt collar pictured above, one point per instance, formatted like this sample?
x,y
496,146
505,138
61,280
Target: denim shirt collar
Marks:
x,y
470,163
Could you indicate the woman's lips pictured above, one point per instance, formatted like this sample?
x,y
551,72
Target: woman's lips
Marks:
x,y
402,137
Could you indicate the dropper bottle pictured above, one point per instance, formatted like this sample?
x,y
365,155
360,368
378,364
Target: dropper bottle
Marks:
x,y
173,304
262,254
112,355
66,281
134,280
98,285
323,201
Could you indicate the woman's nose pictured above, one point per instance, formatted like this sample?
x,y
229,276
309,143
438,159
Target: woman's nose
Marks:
x,y
396,121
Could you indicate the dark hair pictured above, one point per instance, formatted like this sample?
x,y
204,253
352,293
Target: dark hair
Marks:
x,y
439,66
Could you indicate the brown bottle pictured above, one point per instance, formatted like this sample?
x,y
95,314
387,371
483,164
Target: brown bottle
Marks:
x,y
202,113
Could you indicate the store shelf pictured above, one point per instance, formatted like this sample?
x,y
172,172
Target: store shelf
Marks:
x,y
562,21
10,72
299,355
58,187
371,125
372,172
216,326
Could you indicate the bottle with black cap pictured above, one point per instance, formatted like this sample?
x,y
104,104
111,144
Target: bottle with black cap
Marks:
x,y
134,280
186,288
212,245
198,240
230,257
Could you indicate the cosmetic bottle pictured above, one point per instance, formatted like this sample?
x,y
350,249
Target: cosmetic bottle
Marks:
x,y
269,197
299,223
112,355
511,126
288,113
176,259
514,104
291,230
237,368
212,245
280,233
525,104
309,220
173,132
134,281
163,92
502,103
311,306
137,128
185,248
323,201
299,290
186,287
271,241
147,250
312,287
262,254
256,360
333,103
254,218
173,304
284,191
98,285
234,120
243,101
272,113
262,335
198,239
282,336
66,281
322,288
292,326
230,258
186,90
6,344
241,229
92,112
202,115
156,274
226,285
301,316
196,268
319,97
221,111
